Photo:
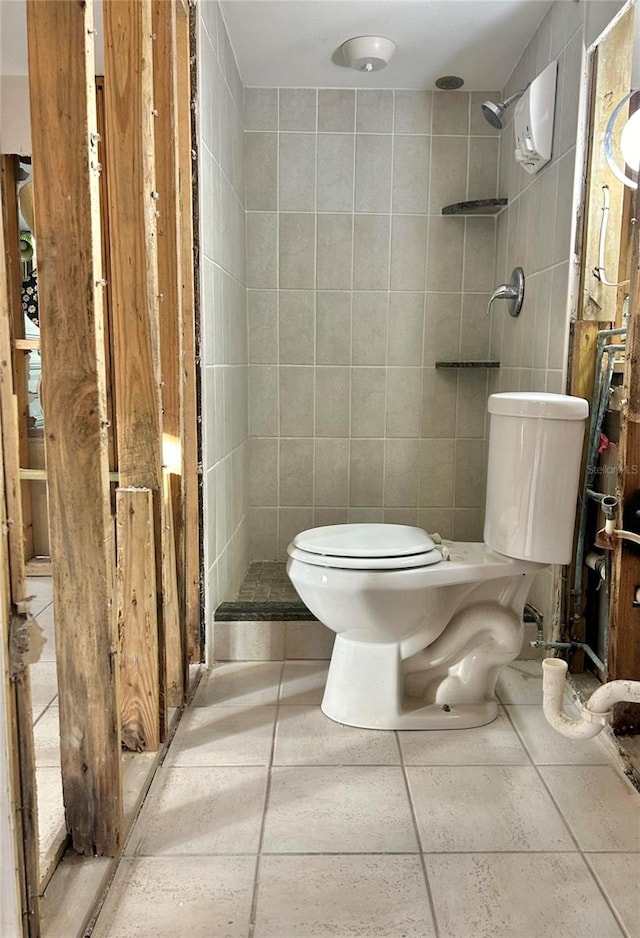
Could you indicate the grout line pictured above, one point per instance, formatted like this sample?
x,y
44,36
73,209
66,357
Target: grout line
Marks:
x,y
256,882
416,829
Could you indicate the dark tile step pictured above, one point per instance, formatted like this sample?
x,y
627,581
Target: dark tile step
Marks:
x,y
262,612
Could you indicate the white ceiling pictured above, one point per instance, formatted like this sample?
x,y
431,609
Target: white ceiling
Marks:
x,y
13,37
290,43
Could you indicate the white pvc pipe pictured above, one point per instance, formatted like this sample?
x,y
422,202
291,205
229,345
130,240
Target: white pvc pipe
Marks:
x,y
595,712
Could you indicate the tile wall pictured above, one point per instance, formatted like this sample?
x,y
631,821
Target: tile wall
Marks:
x,y
356,286
538,229
223,352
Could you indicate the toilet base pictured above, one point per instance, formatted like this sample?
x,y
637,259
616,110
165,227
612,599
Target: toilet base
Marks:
x,y
365,688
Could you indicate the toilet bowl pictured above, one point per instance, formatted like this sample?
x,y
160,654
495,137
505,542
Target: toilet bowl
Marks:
x,y
423,629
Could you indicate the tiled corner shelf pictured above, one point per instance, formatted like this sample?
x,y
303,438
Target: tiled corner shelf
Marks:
x,y
484,364
476,207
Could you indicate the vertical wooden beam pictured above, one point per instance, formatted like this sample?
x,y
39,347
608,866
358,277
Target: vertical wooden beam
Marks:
x,y
16,319
190,475
624,637
132,203
165,91
137,619
17,694
64,129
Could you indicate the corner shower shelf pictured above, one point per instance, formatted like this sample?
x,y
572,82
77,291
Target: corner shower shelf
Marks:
x,y
467,364
476,207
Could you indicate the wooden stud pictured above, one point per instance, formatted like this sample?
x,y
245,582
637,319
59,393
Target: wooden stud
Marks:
x,y
63,119
165,88
190,477
15,672
131,194
137,619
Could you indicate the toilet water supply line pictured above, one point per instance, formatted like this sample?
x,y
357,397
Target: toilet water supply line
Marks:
x,y
596,712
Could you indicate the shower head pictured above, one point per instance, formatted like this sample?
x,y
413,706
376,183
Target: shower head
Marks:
x,y
494,114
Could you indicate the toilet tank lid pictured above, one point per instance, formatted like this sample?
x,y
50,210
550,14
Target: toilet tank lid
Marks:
x,y
539,404
365,540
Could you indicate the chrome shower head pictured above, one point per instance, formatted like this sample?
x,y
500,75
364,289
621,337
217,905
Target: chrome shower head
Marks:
x,y
494,114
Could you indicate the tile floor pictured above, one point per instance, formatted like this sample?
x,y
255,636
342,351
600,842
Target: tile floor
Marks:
x,y
46,730
268,820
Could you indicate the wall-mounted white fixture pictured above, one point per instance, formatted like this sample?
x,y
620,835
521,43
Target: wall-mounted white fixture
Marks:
x,y
596,712
533,121
368,53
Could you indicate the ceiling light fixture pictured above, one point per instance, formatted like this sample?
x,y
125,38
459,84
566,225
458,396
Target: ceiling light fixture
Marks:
x,y
368,53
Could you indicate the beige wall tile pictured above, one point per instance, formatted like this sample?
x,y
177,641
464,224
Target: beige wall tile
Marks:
x,y
411,174
297,251
335,172
403,402
263,476
408,252
371,252
262,312
334,246
483,167
331,473
262,248
333,328
406,326
450,112
439,390
336,110
261,109
470,468
297,109
296,400
412,112
445,255
442,327
374,111
436,473
448,171
297,172
260,155
263,400
373,172
366,473
296,472
369,338
401,474
333,395
297,327
368,388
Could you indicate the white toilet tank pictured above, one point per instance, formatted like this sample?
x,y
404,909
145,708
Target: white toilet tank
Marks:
x,y
535,450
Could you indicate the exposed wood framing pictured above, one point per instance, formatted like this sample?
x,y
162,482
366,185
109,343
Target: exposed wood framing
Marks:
x,y
165,90
16,320
190,552
624,639
15,675
64,129
137,619
582,363
134,270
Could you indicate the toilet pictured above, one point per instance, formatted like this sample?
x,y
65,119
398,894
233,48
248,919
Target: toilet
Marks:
x,y
423,627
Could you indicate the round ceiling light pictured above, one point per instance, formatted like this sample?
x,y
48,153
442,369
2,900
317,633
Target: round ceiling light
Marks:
x,y
368,53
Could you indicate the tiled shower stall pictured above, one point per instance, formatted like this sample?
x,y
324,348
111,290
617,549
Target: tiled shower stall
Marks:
x,y
332,285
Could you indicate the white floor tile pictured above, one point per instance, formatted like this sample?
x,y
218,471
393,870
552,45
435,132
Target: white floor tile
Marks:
x,y
494,744
224,736
198,897
46,737
517,896
359,809
619,876
548,747
41,588
46,623
44,686
342,897
482,808
303,683
599,804
305,736
51,826
521,683
201,810
240,684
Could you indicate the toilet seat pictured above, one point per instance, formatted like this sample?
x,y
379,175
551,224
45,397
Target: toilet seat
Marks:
x,y
365,547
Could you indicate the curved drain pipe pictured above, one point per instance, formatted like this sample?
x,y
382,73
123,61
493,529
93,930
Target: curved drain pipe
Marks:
x,y
595,712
